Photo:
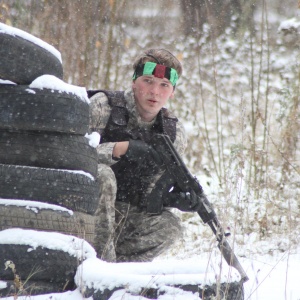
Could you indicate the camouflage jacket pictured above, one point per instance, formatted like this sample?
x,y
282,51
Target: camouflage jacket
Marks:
x,y
100,112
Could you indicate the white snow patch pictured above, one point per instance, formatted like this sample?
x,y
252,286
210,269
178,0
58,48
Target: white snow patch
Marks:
x,y
82,173
3,284
94,139
30,91
2,81
34,205
54,83
289,25
25,35
52,240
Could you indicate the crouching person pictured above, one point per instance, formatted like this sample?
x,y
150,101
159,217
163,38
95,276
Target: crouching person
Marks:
x,y
132,224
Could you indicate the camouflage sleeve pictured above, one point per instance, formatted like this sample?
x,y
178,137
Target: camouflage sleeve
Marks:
x,y
105,151
99,114
180,141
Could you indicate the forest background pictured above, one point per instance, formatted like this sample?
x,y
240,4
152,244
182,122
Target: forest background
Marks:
x,y
238,97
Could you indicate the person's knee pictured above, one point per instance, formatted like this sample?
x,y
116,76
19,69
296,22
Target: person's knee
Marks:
x,y
106,179
175,228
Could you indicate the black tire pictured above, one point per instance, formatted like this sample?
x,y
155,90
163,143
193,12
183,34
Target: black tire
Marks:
x,y
72,190
40,264
228,291
103,294
33,287
30,217
23,61
24,108
48,150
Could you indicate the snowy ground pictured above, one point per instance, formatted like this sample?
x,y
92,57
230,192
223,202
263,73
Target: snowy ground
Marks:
x,y
270,277
273,277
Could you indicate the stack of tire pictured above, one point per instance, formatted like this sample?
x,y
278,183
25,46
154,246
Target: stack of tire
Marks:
x,y
44,158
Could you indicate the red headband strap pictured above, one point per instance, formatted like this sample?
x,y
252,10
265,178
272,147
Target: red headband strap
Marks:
x,y
159,71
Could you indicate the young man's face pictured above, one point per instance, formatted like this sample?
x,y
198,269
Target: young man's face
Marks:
x,y
151,94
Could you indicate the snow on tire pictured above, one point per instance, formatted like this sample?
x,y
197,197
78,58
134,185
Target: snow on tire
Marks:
x,y
154,279
41,256
23,60
37,264
34,215
72,190
24,108
48,150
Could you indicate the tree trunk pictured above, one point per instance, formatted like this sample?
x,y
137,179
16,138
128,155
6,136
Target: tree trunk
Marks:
x,y
218,14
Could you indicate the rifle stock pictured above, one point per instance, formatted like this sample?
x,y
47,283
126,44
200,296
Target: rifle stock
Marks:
x,y
187,182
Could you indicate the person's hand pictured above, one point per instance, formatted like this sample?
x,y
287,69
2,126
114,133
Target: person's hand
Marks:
x,y
140,151
188,202
120,149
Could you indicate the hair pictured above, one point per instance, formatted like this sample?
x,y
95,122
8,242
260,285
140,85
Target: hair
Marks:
x,y
160,56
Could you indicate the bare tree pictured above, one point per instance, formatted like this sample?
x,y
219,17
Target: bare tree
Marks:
x,y
86,32
218,14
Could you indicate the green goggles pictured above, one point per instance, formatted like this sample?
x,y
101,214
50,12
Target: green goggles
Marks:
x,y
160,71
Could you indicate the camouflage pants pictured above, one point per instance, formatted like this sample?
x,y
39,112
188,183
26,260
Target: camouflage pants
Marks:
x,y
125,232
